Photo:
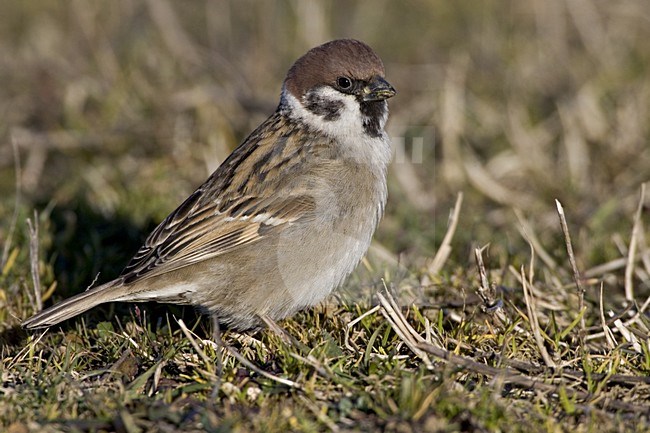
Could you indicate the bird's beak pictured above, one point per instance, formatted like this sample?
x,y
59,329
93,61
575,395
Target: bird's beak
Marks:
x,y
377,89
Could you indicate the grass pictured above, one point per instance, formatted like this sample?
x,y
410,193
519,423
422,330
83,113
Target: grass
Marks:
x,y
113,113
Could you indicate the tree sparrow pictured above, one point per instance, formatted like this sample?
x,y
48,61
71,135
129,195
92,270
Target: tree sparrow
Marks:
x,y
286,217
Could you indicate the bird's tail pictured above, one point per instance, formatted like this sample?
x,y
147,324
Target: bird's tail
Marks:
x,y
111,291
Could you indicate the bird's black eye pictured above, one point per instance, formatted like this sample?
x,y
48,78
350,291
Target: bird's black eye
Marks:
x,y
344,83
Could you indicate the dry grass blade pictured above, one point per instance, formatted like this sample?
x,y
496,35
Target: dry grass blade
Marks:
x,y
33,260
188,334
485,291
248,364
367,351
277,329
352,324
20,356
628,335
635,319
402,328
631,257
445,247
157,374
531,308
615,264
142,351
609,335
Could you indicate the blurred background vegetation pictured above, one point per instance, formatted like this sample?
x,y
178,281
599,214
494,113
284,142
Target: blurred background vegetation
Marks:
x,y
116,110
124,107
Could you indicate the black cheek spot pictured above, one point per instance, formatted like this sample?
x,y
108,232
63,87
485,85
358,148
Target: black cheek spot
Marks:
x,y
327,109
372,112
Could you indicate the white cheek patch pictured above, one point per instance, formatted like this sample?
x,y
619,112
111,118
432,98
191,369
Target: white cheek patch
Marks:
x,y
349,116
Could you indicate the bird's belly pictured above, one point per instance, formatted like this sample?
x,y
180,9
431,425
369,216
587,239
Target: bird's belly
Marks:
x,y
299,269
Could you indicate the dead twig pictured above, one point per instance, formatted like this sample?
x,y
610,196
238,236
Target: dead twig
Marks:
x,y
576,274
486,291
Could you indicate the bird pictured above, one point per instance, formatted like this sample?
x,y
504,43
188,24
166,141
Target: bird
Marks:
x,y
285,218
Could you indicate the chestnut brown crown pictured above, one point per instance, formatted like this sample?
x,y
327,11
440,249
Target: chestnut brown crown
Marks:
x,y
325,64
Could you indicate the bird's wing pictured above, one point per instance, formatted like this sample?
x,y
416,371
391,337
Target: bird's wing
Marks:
x,y
233,207
195,232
